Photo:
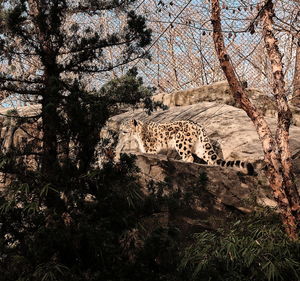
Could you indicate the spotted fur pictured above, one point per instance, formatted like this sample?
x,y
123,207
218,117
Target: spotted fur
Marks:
x,y
186,137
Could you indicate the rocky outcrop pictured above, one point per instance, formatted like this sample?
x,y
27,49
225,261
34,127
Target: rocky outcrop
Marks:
x,y
232,129
21,135
228,125
199,196
208,106
227,186
19,127
220,93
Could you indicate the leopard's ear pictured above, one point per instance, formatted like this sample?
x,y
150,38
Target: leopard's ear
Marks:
x,y
135,123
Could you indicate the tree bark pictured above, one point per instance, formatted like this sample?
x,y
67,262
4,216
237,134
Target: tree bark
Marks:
x,y
50,143
296,84
284,112
49,94
272,157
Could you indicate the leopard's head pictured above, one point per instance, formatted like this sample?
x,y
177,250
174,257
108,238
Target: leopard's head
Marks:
x,y
131,126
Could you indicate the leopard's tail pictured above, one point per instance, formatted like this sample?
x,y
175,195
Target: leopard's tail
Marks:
x,y
245,167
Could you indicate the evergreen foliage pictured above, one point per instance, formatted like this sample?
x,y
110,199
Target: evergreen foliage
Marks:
x,y
95,233
129,90
255,248
66,55
69,221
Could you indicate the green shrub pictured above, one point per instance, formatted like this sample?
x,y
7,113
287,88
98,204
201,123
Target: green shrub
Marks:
x,y
255,248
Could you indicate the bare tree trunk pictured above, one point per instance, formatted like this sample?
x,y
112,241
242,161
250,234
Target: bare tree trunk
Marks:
x,y
49,96
276,178
296,84
284,112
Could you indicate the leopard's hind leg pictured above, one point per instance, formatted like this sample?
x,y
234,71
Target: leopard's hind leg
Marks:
x,y
183,146
205,151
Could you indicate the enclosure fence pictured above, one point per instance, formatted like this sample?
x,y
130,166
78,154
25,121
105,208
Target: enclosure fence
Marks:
x,y
183,54
182,48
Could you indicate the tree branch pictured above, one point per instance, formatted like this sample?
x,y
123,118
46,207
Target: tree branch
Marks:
x,y
284,112
272,158
17,89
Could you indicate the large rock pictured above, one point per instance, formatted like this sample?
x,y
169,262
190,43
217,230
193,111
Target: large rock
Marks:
x,y
220,93
199,196
19,126
228,125
22,135
228,186
217,92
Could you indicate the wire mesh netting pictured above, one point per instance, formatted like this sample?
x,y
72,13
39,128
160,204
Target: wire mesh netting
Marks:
x,y
182,50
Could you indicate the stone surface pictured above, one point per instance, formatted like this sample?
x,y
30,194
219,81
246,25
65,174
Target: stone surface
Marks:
x,y
228,125
220,93
201,204
296,115
16,131
228,186
22,134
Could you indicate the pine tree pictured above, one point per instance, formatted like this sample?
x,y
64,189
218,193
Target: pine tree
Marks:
x,y
50,56
48,230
